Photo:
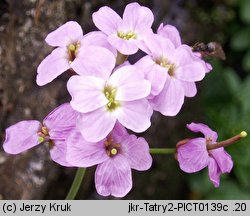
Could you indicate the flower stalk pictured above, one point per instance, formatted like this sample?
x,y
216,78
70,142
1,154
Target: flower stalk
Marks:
x,y
227,142
162,150
76,184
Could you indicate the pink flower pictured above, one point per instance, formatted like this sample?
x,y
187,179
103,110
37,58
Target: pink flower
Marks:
x,y
172,73
102,102
73,50
127,32
55,128
170,32
114,156
193,155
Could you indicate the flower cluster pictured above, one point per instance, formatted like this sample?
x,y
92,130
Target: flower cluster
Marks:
x,y
110,95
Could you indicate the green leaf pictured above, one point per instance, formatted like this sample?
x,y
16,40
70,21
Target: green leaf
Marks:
x,y
246,60
232,80
228,190
243,175
245,11
241,40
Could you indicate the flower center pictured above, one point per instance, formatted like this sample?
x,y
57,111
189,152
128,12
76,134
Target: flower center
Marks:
x,y
163,62
126,36
112,148
43,135
110,93
72,51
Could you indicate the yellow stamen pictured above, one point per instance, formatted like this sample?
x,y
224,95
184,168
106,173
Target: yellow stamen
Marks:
x,y
126,36
72,47
113,151
110,94
40,139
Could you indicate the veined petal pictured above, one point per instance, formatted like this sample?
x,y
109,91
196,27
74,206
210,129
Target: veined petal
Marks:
x,y
107,20
94,61
136,151
119,132
126,47
113,177
223,159
171,98
193,156
190,89
158,46
199,127
52,66
153,72
61,121
21,136
191,73
170,32
68,33
137,17
214,172
96,125
130,83
87,93
82,153
135,115
98,38
182,56
58,153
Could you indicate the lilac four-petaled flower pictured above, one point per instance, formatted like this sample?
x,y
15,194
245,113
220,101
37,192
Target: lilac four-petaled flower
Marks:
x,y
104,101
193,155
126,33
114,156
54,129
73,51
172,72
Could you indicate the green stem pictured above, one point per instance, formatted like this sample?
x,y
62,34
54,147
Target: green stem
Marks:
x,y
162,150
76,184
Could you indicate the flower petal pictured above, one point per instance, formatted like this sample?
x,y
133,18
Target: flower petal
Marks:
x,y
21,136
61,121
193,156
125,47
81,153
119,132
107,20
135,115
130,83
170,32
52,66
198,57
199,127
136,17
94,61
157,46
214,172
190,89
68,33
86,92
98,38
136,151
113,177
171,98
96,125
156,74
58,153
223,159
191,73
